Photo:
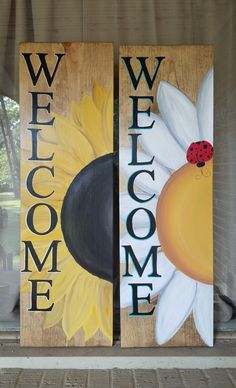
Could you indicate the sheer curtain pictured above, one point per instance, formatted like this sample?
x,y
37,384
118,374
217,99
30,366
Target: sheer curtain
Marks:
x,y
147,22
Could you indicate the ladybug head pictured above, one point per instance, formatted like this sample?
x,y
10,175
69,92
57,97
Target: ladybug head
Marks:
x,y
199,153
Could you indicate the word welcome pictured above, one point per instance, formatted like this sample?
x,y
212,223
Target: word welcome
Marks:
x,y
134,137
30,254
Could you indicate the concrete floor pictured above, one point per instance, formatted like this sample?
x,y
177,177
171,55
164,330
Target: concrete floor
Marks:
x,y
118,378
222,355
98,367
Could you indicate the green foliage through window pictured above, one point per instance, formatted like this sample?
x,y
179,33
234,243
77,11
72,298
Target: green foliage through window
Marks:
x,y
9,145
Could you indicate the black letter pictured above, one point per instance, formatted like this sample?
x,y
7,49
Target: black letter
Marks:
x,y
134,141
35,294
140,269
136,111
136,298
29,181
43,66
34,132
129,223
39,265
30,215
131,185
143,69
36,106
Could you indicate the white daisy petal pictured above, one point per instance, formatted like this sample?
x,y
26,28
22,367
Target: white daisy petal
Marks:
x,y
140,247
203,312
174,306
179,114
127,204
159,142
144,180
205,107
164,268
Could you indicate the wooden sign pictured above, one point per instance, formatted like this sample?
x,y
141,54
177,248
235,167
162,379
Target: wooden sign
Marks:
x,y
166,148
66,100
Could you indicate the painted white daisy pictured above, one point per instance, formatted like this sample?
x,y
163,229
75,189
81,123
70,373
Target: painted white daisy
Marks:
x,y
181,141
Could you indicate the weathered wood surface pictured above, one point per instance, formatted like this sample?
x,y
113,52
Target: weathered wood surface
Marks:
x,y
79,72
184,67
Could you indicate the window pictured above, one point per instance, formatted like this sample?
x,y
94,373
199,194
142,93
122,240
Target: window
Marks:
x,y
9,213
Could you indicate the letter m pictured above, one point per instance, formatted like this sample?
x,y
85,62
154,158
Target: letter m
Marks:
x,y
29,249
129,253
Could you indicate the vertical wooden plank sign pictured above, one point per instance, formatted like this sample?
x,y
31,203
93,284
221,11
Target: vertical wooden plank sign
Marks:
x,y
166,149
66,100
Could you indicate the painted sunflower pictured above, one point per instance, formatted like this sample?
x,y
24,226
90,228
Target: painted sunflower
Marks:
x,y
181,141
82,193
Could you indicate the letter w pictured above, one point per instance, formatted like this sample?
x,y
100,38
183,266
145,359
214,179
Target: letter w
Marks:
x,y
143,70
43,67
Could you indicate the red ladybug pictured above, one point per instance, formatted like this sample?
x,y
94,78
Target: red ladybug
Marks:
x,y
199,152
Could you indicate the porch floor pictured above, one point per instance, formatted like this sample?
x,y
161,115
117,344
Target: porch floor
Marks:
x,y
117,368
118,378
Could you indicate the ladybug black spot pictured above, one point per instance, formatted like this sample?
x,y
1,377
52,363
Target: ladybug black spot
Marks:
x,y
200,164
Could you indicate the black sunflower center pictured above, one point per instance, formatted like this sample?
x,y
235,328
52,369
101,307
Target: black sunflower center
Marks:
x,y
87,217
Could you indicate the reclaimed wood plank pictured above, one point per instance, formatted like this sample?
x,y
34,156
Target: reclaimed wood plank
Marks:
x,y
66,100
181,70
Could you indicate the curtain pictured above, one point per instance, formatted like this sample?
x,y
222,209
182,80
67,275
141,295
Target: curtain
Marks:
x,y
147,22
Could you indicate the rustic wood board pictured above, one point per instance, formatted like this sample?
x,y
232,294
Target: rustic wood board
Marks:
x,y
181,299
72,163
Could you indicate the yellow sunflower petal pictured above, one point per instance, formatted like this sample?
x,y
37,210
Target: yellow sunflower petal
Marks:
x,y
70,138
79,303
91,121
25,288
67,163
56,234
48,135
54,180
54,316
107,120
74,292
42,227
105,310
99,95
27,285
91,324
75,115
57,290
27,200
46,187
64,280
45,184
44,150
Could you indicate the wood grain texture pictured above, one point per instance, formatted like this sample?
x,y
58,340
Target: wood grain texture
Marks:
x,y
184,67
82,65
